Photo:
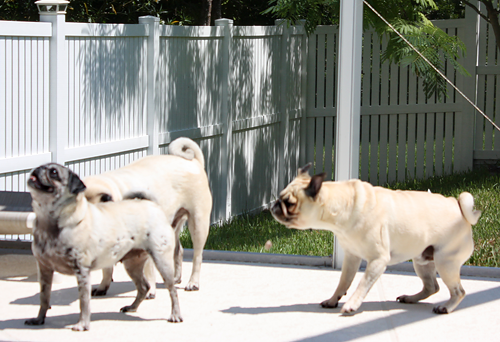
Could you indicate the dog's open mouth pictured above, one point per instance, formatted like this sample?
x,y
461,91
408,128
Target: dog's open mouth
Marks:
x,y
35,182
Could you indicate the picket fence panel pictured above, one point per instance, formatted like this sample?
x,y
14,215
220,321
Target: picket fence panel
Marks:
x,y
403,135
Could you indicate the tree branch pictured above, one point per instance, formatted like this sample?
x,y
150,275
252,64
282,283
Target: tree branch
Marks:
x,y
476,10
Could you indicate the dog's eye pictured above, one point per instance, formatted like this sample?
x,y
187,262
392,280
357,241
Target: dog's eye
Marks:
x,y
54,174
106,198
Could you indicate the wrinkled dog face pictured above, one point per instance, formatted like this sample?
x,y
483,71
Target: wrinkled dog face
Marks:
x,y
52,183
296,197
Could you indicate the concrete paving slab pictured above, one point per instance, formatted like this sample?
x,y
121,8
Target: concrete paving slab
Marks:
x,y
246,302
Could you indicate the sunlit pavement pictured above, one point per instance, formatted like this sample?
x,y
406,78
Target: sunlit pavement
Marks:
x,y
246,302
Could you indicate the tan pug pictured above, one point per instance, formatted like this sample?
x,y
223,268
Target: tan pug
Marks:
x,y
74,237
384,227
180,184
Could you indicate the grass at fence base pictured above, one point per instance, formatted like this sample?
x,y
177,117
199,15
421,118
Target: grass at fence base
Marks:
x,y
250,233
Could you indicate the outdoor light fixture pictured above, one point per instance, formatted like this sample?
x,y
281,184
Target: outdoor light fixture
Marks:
x,y
52,6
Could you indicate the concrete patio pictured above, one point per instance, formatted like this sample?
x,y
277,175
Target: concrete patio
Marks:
x,y
247,302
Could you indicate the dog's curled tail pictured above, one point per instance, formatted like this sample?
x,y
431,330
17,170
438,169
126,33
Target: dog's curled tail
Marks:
x,y
186,148
140,195
466,202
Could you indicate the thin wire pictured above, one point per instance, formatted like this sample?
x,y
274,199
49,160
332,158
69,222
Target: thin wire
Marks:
x,y
432,65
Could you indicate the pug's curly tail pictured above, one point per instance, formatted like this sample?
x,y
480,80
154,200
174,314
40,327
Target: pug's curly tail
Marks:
x,y
187,149
140,195
466,202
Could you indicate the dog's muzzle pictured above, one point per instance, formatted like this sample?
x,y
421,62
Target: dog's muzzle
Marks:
x,y
279,211
36,182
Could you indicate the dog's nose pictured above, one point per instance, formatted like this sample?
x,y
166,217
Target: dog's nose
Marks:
x,y
276,208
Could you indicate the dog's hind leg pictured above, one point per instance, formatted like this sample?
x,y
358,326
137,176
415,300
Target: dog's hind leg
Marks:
x,y
150,274
45,276
427,273
198,225
449,259
349,268
164,264
179,220
135,269
450,274
107,278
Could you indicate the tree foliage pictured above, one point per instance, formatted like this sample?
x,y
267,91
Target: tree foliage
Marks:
x,y
407,17
174,12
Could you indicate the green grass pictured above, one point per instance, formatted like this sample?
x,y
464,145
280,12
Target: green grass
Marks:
x,y
249,233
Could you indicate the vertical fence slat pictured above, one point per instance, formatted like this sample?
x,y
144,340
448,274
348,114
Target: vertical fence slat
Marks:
x,y
420,163
393,152
438,164
374,154
403,154
429,144
320,124
329,136
365,146
384,123
311,127
448,145
320,73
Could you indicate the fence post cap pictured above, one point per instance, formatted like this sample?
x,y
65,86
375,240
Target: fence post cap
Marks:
x,y
149,18
52,6
223,21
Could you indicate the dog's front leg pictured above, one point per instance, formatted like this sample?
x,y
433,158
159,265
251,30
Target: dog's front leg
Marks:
x,y
350,266
84,289
45,276
374,269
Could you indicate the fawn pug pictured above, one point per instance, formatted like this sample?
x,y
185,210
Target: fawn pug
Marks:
x,y
180,184
384,227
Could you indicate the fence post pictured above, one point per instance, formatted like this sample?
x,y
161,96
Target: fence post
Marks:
x,y
348,99
468,85
226,115
55,12
153,47
283,143
303,80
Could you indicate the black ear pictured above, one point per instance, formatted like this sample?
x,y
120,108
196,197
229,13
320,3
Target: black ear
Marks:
x,y
304,169
75,184
315,185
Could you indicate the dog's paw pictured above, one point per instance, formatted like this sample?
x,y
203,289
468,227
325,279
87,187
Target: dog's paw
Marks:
x,y
80,327
192,287
128,308
404,299
350,306
98,293
151,296
440,309
175,319
327,305
34,321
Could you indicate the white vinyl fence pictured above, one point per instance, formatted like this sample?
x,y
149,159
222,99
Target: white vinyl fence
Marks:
x,y
260,101
122,92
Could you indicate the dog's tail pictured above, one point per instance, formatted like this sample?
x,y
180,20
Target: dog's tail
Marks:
x,y
186,148
466,202
141,195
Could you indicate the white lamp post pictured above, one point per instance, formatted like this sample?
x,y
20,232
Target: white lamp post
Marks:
x,y
54,12
52,6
